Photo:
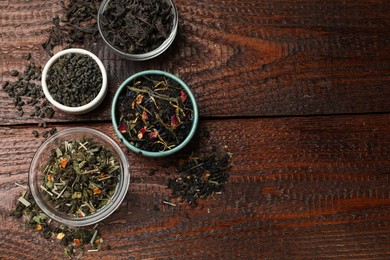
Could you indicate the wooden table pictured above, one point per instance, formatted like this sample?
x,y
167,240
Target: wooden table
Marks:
x,y
298,91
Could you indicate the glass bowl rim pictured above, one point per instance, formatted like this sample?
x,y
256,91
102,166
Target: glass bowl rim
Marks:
x,y
141,56
102,213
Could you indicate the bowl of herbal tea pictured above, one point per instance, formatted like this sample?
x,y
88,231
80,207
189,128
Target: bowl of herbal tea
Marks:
x,y
138,30
154,113
74,81
79,176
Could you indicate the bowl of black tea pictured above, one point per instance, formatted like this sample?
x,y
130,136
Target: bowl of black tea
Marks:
x,y
79,176
154,113
138,30
74,81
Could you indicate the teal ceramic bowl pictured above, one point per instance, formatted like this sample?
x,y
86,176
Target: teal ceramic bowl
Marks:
x,y
190,96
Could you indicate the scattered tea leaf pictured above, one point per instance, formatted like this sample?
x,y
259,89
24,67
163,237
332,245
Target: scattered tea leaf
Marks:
x,y
49,229
200,177
24,201
77,25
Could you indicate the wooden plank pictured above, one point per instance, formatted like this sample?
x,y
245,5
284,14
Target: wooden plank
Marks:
x,y
300,187
251,58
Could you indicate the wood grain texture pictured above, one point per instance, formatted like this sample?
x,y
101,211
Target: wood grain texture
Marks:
x,y
296,90
300,187
246,58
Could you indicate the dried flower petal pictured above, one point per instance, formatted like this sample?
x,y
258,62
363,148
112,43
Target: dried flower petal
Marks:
x,y
153,134
206,175
174,121
60,236
63,163
139,98
99,241
97,191
145,116
122,128
183,95
77,242
141,132
50,178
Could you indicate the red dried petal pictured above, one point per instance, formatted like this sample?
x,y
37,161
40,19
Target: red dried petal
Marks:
x,y
122,128
139,99
174,121
141,132
145,115
183,95
153,134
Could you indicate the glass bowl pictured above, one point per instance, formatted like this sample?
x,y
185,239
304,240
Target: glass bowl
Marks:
x,y
136,56
40,160
191,98
79,109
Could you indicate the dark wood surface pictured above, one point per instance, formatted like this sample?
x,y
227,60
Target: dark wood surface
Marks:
x,y
298,91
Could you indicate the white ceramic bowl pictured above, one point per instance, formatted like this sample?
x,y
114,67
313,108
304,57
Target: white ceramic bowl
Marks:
x,y
80,109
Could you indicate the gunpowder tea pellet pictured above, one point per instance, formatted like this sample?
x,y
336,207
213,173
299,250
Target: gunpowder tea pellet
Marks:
x,y
74,79
80,177
135,26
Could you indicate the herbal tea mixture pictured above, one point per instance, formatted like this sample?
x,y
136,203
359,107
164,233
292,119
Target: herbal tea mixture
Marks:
x,y
154,113
74,79
137,26
80,177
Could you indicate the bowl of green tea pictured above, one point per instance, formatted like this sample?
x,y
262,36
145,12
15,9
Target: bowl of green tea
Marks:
x,y
79,176
138,30
74,81
154,113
